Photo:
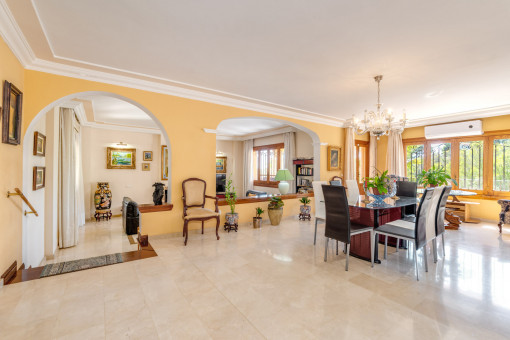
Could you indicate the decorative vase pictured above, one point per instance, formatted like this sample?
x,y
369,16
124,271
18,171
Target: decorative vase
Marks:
x,y
232,218
256,222
103,196
159,192
305,209
275,215
379,198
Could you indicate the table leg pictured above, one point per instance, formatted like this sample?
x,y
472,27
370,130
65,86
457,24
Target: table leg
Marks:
x,y
376,245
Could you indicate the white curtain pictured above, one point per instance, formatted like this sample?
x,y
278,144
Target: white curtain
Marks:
x,y
372,157
71,208
395,155
350,155
289,144
248,166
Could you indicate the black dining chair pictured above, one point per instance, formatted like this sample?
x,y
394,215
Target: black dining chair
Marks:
x,y
440,212
407,189
338,221
415,232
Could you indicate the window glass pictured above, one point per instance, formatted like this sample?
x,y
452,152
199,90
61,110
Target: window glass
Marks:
x,y
471,165
415,159
441,156
501,165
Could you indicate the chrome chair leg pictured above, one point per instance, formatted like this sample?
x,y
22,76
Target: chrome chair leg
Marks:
x,y
424,249
326,250
347,258
416,262
315,235
385,246
444,252
434,249
398,245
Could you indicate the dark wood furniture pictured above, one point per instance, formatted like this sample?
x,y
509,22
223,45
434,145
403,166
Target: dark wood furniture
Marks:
x,y
228,227
193,197
148,208
304,172
303,217
103,214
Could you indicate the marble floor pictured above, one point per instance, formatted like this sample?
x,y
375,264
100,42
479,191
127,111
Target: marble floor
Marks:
x,y
95,239
272,283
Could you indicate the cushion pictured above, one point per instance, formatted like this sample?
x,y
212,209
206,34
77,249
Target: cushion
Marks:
x,y
200,213
396,231
194,191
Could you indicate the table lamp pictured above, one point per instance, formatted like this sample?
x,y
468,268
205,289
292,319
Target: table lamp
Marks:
x,y
283,175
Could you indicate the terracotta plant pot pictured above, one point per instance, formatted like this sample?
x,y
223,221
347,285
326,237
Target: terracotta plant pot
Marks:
x,y
232,218
256,222
275,215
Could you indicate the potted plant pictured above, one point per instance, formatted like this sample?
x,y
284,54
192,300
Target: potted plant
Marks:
x,y
382,186
258,218
275,210
435,177
231,197
305,208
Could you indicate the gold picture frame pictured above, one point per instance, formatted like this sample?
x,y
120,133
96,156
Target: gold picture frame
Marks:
x,y
11,114
164,163
117,158
147,155
334,158
39,178
146,166
221,165
39,144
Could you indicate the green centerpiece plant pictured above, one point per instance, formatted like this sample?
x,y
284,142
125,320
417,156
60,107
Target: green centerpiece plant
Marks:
x,y
275,210
435,177
231,197
380,186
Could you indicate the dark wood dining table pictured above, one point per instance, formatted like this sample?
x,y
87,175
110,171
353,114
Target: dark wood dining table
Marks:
x,y
367,213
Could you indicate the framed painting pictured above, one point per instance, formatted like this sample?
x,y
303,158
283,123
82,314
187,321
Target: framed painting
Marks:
x,y
164,162
39,179
334,158
146,166
221,165
11,114
120,158
39,144
147,155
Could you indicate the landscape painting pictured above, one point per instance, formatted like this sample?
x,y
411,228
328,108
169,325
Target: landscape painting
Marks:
x,y
120,158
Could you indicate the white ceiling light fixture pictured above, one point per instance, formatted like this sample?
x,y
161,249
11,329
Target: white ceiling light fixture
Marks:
x,y
378,123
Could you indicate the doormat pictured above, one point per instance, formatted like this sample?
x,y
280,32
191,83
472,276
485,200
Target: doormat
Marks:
x,y
76,265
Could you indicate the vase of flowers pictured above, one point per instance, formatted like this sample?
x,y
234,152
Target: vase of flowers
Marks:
x,y
275,210
380,187
231,197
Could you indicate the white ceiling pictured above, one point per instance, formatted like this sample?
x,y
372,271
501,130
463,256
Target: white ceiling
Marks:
x,y
247,126
437,57
109,110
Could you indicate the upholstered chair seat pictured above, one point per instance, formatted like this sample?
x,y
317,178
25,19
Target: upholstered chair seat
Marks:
x,y
200,213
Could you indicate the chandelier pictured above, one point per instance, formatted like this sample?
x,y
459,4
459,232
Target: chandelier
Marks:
x,y
378,123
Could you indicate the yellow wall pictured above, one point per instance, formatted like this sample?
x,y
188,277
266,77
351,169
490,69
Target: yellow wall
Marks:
x,y
193,150
11,172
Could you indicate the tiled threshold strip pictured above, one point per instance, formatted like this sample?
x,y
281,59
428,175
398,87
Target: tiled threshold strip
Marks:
x,y
23,275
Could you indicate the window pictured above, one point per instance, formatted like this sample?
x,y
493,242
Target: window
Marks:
x,y
415,159
267,160
362,150
480,163
501,165
471,165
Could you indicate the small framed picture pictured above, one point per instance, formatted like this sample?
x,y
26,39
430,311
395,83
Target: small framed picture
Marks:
x,y
334,158
146,166
39,179
147,155
39,144
221,165
11,114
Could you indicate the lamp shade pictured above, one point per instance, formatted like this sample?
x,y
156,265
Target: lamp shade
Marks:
x,y
283,175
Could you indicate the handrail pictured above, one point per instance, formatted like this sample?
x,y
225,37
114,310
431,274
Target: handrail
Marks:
x,y
24,198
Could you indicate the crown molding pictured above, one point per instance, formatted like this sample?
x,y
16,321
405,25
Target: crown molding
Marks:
x,y
13,37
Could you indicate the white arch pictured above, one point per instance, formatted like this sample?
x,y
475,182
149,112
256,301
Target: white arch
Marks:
x,y
315,139
113,95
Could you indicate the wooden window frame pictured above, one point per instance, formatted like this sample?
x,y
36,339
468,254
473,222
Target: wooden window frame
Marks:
x,y
269,184
488,151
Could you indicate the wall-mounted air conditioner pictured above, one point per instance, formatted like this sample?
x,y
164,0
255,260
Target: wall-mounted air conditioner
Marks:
x,y
471,128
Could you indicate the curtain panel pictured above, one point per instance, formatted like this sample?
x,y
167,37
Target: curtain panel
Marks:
x,y
350,155
289,142
248,166
395,155
372,157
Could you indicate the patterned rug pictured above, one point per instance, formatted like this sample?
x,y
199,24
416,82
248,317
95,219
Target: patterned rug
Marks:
x,y
76,265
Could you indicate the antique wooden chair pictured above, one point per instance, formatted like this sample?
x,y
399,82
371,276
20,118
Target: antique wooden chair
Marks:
x,y
193,196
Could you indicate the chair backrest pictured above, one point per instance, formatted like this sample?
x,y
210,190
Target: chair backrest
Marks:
x,y
318,199
337,183
420,227
193,192
352,189
431,220
338,222
441,208
407,189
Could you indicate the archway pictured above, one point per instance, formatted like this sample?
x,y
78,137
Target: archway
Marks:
x,y
37,240
262,128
